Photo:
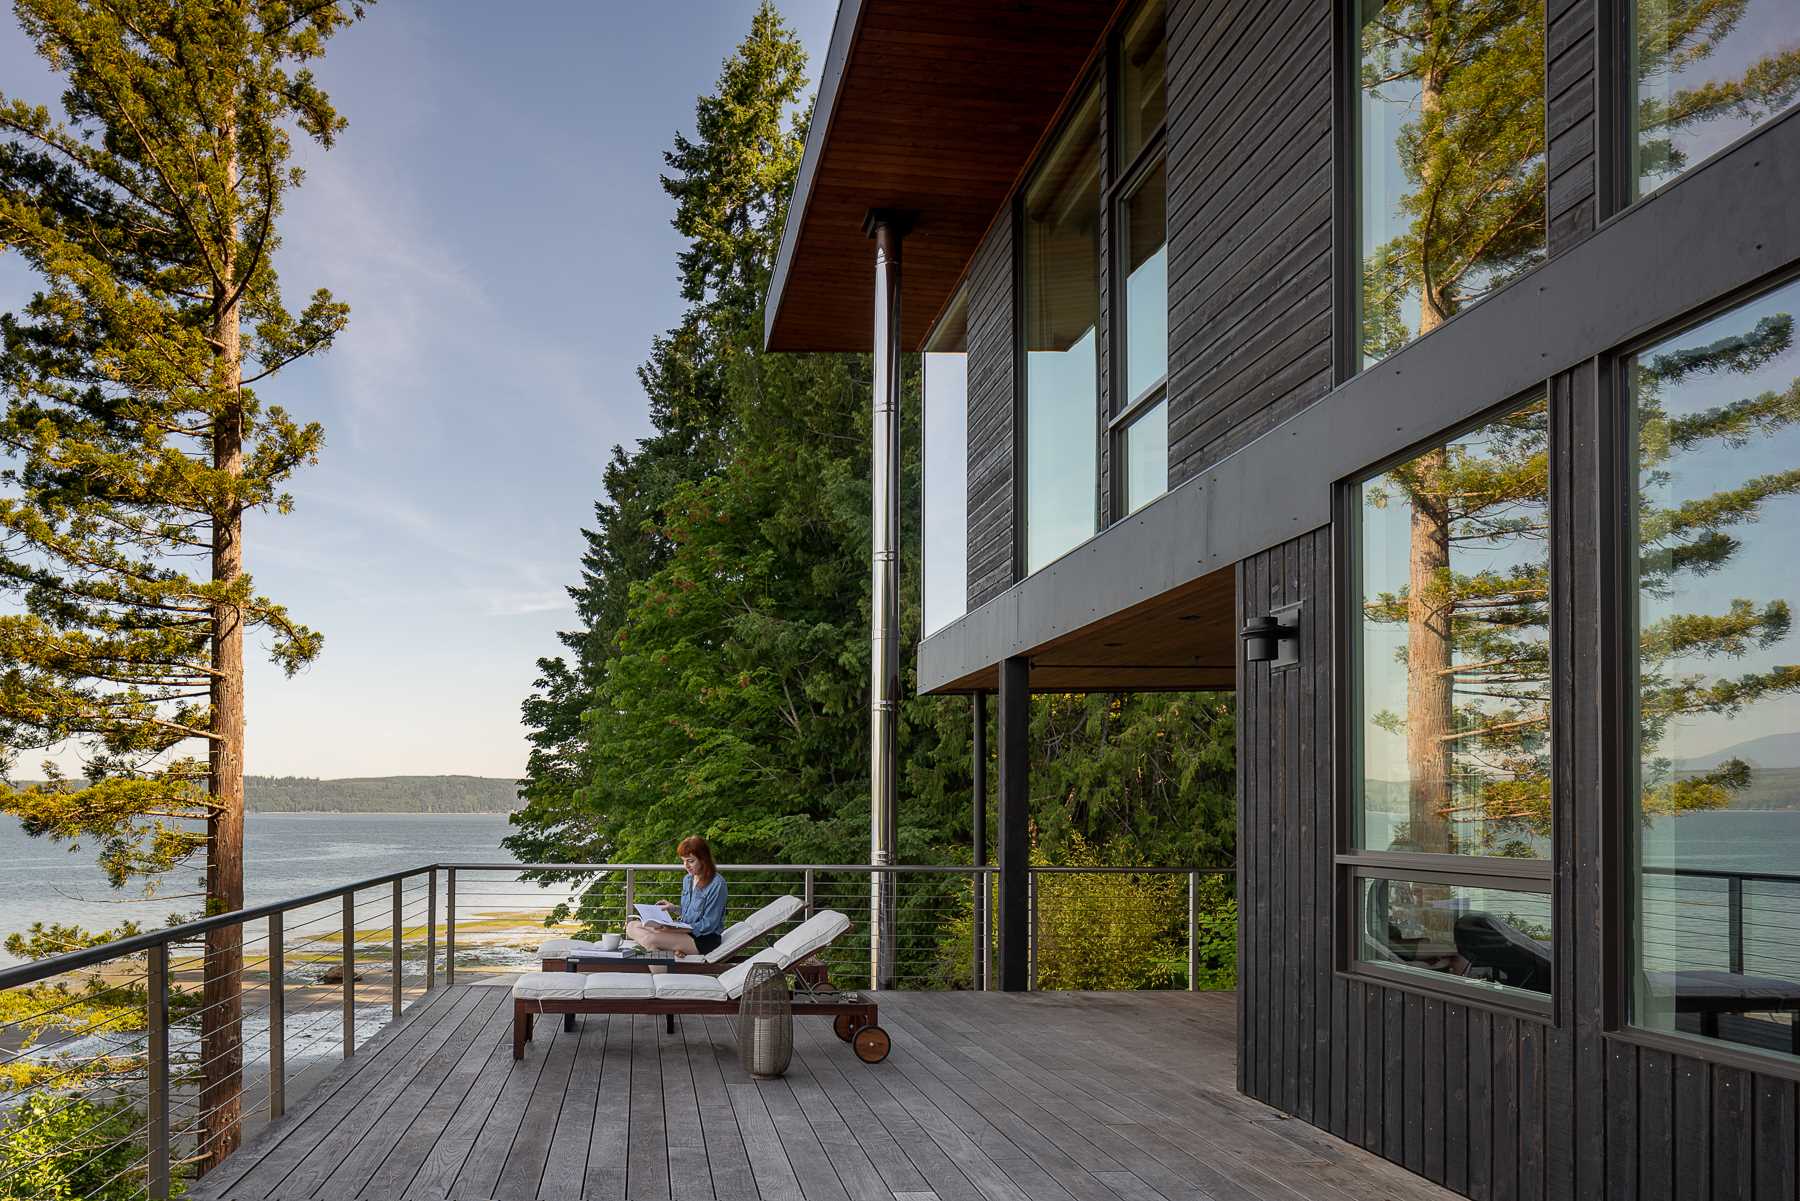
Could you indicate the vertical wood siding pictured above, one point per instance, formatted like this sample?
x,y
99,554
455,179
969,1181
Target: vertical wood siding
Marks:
x,y
1572,41
1249,221
991,452
1491,1104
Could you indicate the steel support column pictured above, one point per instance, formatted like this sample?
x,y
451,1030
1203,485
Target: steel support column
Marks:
x,y
887,229
1015,814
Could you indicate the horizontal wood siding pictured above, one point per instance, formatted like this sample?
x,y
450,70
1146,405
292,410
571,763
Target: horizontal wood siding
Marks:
x,y
1571,61
991,416
1250,145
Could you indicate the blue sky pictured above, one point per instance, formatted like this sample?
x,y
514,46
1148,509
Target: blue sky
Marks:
x,y
493,217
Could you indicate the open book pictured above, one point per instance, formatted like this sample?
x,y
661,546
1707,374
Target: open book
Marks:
x,y
662,917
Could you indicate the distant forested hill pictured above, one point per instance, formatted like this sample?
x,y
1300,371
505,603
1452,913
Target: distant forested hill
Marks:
x,y
381,794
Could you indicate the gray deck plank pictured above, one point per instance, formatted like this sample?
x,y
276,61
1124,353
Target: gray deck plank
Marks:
x,y
523,1170
565,1167
347,1173
605,1179
986,1097
327,1110
727,1161
406,1157
647,1146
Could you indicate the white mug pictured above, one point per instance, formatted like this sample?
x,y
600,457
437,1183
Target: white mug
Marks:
x,y
609,942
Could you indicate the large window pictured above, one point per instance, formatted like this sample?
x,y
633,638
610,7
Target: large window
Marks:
x,y
1061,310
1450,821
1716,522
1702,75
1450,158
946,453
1140,246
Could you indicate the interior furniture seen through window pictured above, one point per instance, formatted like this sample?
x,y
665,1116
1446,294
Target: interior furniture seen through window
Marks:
x,y
1450,819
945,449
1449,129
1716,698
1061,262
1140,247
1701,76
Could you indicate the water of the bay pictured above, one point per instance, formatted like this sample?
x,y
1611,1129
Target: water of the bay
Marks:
x,y
285,855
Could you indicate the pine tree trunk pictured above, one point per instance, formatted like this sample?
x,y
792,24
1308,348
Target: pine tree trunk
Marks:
x,y
1429,699
221,1021
1428,679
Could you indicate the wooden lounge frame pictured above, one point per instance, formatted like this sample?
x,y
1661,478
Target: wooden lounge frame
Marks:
x,y
854,1016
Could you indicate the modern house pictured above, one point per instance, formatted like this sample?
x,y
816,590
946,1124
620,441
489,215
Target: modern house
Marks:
x,y
1425,373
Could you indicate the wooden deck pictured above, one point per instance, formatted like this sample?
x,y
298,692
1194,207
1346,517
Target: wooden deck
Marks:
x,y
1024,1097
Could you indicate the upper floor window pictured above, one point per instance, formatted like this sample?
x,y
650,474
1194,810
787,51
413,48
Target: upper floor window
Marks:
x,y
1702,74
945,450
1715,412
1451,793
1140,242
1060,257
1450,158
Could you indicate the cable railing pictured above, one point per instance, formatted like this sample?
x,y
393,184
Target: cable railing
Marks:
x,y
121,1077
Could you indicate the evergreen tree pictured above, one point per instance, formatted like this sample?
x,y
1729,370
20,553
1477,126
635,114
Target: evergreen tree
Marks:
x,y
135,440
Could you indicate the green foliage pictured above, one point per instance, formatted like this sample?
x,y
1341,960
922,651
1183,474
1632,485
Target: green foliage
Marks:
x,y
55,1148
133,438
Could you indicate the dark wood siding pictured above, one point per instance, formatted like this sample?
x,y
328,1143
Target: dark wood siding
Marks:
x,y
1572,40
991,416
1492,1104
1250,144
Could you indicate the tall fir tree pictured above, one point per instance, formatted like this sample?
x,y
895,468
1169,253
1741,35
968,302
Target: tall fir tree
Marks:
x,y
135,441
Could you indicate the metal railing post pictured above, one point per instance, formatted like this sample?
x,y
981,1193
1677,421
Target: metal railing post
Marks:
x,y
1193,931
349,968
977,928
1031,932
395,956
1735,918
449,926
987,931
277,1018
630,893
809,893
431,930
157,1018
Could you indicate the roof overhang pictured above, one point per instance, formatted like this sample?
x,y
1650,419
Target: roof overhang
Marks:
x,y
930,107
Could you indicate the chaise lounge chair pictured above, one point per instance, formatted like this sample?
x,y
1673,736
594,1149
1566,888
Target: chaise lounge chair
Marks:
x,y
582,955
854,1014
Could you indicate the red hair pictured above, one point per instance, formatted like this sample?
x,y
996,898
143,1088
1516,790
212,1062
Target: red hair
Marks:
x,y
697,846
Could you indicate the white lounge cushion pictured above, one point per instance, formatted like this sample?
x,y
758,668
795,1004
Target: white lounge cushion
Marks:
x,y
734,979
741,934
548,986
688,986
562,948
811,935
618,986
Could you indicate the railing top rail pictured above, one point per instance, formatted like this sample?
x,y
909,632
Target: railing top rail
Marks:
x,y
862,868
1720,873
56,965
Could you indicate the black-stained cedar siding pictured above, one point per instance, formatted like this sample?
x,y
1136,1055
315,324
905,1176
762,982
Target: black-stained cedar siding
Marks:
x,y
1249,226
992,467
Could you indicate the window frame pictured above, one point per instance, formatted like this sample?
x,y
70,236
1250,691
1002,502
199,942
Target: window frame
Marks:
x,y
1620,667
1351,864
1123,181
957,308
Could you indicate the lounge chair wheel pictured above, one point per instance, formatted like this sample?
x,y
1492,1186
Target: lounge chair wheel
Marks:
x,y
844,1026
872,1044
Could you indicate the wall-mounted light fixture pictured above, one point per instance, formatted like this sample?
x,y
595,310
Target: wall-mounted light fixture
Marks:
x,y
1274,639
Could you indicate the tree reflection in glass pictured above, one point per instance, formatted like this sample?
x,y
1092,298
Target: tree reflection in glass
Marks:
x,y
1454,567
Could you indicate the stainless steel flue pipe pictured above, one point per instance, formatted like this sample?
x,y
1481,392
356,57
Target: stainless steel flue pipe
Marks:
x,y
887,229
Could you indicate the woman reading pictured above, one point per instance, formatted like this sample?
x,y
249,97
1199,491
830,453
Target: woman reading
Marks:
x,y
703,894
